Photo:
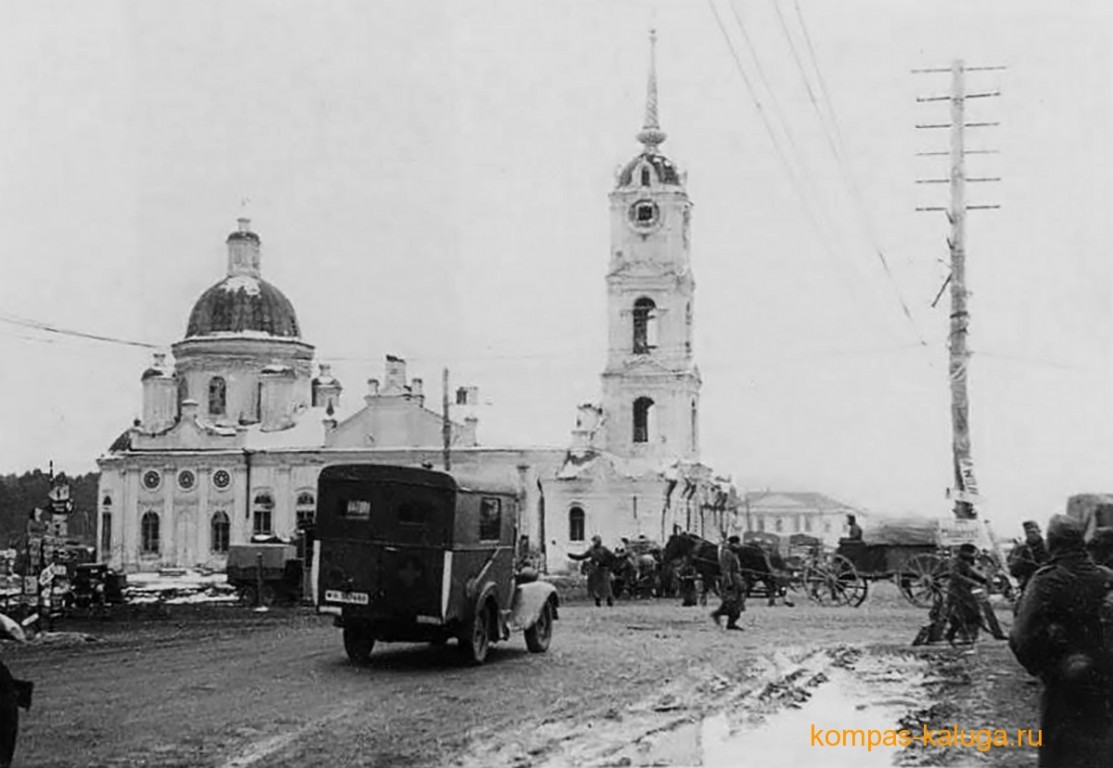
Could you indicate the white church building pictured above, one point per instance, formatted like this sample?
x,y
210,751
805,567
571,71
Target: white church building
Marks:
x,y
235,431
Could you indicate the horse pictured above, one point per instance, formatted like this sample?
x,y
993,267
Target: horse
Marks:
x,y
703,556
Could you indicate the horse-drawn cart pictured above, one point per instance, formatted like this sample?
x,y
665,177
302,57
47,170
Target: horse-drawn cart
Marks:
x,y
914,553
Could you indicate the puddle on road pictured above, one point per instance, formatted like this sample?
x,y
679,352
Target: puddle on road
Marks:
x,y
875,694
765,719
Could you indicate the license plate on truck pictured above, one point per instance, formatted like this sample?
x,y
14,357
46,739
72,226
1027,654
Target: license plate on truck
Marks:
x,y
354,598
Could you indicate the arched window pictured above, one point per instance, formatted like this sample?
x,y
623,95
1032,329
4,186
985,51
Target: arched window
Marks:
x,y
220,529
217,396
645,176
643,417
779,524
576,524
183,391
645,326
306,510
263,514
149,531
259,401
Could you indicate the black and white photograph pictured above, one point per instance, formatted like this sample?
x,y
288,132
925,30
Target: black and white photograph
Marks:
x,y
556,383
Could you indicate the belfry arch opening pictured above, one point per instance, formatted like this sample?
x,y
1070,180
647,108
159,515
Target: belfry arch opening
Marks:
x,y
645,326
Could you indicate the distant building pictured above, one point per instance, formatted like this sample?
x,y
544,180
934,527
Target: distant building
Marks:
x,y
788,512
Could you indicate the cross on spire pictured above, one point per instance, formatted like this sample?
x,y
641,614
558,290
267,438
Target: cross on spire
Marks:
x,y
651,134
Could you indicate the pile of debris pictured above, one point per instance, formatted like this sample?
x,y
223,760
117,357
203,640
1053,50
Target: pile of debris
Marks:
x,y
175,586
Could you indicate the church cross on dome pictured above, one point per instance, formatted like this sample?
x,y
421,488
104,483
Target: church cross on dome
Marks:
x,y
651,134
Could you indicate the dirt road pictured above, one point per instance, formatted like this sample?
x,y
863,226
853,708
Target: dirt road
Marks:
x,y
639,684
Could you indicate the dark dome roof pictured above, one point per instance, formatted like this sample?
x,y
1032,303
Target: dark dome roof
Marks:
x,y
243,303
666,171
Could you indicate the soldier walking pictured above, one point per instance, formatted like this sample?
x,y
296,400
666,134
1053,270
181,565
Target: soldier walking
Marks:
x,y
732,586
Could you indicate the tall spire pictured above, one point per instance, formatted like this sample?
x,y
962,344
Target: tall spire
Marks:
x,y
651,134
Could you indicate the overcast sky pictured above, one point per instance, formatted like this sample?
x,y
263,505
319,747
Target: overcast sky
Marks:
x,y
430,180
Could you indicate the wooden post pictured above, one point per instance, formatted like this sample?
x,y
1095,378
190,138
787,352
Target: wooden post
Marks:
x,y
960,317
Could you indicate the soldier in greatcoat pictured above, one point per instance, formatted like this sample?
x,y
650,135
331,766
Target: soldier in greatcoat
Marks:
x,y
732,586
1059,636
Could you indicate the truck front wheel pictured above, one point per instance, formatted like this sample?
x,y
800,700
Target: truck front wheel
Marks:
x,y
358,642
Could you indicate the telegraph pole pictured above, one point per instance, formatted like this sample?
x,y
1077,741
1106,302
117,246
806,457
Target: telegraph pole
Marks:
x,y
446,426
965,491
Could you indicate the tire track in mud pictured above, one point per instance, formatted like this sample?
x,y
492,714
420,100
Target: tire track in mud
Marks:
x,y
267,748
701,719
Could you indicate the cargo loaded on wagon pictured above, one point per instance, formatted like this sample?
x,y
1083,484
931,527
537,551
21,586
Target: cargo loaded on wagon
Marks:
x,y
417,555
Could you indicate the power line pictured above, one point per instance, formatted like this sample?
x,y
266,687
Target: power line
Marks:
x,y
49,328
779,150
844,167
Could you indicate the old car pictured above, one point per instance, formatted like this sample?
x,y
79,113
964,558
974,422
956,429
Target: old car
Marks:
x,y
406,554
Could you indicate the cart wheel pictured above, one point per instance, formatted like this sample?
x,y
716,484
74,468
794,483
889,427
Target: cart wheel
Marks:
x,y
247,596
358,642
850,586
539,635
475,639
923,579
820,583
269,595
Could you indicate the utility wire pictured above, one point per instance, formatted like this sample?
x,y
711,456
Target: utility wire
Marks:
x,y
792,175
48,328
844,167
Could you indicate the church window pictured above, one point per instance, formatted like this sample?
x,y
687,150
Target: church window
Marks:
x,y
645,326
259,401
263,514
305,510
105,533
149,531
643,416
576,524
183,390
779,525
645,176
217,396
220,530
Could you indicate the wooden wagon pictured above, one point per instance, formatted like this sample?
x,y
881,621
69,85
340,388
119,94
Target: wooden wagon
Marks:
x,y
915,554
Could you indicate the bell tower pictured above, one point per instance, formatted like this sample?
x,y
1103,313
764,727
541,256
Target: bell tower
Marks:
x,y
650,384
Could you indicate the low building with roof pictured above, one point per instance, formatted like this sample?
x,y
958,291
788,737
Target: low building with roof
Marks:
x,y
787,512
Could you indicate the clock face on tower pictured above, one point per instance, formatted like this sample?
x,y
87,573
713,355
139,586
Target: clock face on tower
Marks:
x,y
644,214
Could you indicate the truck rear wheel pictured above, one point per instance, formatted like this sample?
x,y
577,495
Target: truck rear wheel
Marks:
x,y
475,639
358,642
539,635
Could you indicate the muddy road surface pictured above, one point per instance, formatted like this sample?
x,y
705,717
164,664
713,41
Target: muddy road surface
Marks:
x,y
643,683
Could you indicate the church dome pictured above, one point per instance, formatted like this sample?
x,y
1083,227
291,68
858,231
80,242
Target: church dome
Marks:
x,y
243,304
662,167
